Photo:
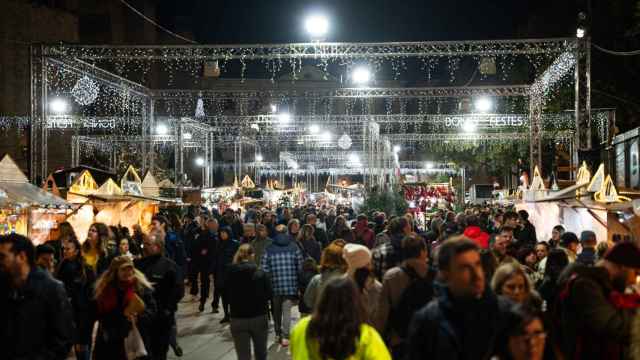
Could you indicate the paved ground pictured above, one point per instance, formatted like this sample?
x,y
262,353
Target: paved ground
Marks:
x,y
202,337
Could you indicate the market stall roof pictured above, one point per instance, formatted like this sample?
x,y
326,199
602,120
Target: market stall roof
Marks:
x,y
150,185
63,180
15,189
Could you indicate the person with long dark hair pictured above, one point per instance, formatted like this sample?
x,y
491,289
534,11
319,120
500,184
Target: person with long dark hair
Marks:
x,y
94,249
557,261
78,280
337,329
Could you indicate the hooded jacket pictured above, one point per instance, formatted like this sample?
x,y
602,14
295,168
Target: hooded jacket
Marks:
x,y
282,261
478,236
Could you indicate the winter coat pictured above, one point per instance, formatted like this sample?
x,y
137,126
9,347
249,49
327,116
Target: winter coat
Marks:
x,y
310,248
79,288
526,235
591,326
454,329
282,261
249,290
175,249
478,236
394,283
168,285
387,255
321,236
259,247
36,321
114,327
365,236
225,251
204,251
312,291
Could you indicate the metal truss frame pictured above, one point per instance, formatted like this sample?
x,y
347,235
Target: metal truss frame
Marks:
x,y
313,50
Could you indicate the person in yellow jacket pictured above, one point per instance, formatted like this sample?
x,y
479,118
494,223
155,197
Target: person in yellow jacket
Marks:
x,y
337,329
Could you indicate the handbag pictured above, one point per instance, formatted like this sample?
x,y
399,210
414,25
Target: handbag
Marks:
x,y
133,344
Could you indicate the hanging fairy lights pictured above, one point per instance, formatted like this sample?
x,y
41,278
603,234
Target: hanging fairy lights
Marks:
x,y
85,91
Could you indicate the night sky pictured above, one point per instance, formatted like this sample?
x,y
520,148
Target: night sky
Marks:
x,y
272,21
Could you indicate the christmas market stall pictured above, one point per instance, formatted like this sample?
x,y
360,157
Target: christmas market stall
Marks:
x,y
593,203
25,208
130,203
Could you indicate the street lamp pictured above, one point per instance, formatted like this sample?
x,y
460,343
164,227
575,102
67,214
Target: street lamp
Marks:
x,y
284,118
396,149
259,158
58,106
361,76
429,165
200,161
469,126
317,26
483,105
580,32
274,108
162,129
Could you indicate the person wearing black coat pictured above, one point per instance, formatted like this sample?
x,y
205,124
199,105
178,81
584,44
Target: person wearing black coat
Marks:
x,y
249,293
168,289
203,261
466,320
225,251
124,299
78,280
36,320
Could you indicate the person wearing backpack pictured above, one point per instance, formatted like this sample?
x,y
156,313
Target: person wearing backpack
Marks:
x,y
405,289
595,317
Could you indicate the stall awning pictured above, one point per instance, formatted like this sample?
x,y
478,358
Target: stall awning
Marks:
x,y
26,194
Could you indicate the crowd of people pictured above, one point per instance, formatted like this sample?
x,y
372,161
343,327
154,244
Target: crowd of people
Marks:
x,y
478,284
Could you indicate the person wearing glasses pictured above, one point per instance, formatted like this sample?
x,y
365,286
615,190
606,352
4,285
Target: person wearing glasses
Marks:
x,y
526,335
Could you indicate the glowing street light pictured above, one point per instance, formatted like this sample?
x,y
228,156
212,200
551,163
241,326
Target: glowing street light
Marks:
x,y
200,161
469,126
259,158
162,129
326,136
396,149
284,118
429,165
361,76
58,106
314,129
274,108
580,32
317,26
483,105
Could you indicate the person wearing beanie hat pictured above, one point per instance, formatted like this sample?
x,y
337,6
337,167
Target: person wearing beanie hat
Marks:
x,y
358,259
595,314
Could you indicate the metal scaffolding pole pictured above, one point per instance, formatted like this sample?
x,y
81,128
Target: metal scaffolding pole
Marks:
x,y
583,95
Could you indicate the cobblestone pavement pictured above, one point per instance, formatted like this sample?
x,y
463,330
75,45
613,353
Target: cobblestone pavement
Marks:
x,y
202,337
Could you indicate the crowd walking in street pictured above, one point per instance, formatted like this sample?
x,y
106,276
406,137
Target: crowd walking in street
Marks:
x,y
474,285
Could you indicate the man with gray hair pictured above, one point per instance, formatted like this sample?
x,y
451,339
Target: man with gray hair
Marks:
x,y
168,289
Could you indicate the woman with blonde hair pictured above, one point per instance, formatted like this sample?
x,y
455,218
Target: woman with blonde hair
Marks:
x,y
331,264
249,292
511,281
124,304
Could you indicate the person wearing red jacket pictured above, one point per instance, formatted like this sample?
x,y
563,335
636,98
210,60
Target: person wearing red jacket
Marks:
x,y
364,235
475,233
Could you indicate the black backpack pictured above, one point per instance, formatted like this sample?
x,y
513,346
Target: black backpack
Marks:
x,y
417,294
